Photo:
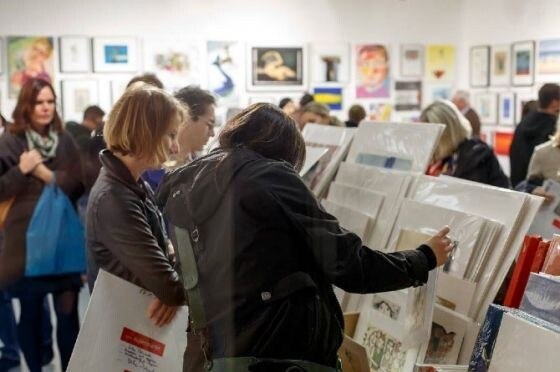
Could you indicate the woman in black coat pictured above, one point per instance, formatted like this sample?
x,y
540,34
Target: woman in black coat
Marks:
x,y
458,155
268,254
34,151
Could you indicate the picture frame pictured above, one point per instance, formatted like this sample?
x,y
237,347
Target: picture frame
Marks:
x,y
77,95
506,109
225,62
479,64
441,63
523,63
549,57
500,65
276,67
373,82
115,54
331,63
486,105
412,60
74,53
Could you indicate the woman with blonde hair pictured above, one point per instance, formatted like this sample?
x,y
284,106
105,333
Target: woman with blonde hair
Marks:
x,y
458,155
125,230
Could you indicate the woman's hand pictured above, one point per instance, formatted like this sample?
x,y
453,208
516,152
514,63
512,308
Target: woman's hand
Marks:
x,y
161,314
29,160
441,245
541,191
43,173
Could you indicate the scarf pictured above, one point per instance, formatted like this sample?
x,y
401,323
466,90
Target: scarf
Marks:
x,y
45,145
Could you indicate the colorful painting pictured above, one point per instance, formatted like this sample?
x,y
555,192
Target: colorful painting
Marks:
x,y
225,67
331,63
523,63
506,110
380,111
331,97
385,353
440,63
373,72
277,67
115,54
29,57
502,142
549,57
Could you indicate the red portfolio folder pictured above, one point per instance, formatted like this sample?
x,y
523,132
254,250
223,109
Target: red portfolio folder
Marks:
x,y
522,271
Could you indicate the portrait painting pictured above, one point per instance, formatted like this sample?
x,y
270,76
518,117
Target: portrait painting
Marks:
x,y
29,57
373,79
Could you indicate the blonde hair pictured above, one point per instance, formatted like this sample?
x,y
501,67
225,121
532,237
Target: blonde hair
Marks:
x,y
139,121
453,134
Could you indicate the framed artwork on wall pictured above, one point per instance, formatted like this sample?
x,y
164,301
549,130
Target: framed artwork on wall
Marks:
x,y
486,105
440,63
29,57
523,63
408,95
75,53
412,60
277,67
373,71
225,62
479,63
331,63
506,109
330,96
115,54
549,57
77,95
500,65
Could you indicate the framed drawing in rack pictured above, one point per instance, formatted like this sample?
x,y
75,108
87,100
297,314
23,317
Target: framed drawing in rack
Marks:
x,y
115,54
479,63
412,60
500,65
75,53
77,95
276,67
523,63
506,108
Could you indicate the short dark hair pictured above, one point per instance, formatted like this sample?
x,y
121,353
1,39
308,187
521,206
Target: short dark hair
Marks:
x,y
148,78
93,112
305,99
196,99
284,102
548,93
267,130
356,113
528,107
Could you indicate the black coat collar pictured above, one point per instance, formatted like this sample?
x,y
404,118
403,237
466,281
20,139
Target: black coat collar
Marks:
x,y
116,169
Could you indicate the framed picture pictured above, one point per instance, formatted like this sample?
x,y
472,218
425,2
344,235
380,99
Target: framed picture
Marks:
x,y
440,63
225,62
77,95
549,57
331,63
176,62
412,60
29,57
330,96
486,105
277,67
75,53
500,65
115,54
523,63
373,71
479,64
408,95
506,109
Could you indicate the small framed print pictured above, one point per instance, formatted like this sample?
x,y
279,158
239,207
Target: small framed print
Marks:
x,y
412,60
77,95
486,104
331,63
115,54
479,64
506,109
277,67
500,65
523,63
75,53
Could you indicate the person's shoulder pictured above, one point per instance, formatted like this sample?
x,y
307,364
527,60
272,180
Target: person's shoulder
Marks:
x,y
547,147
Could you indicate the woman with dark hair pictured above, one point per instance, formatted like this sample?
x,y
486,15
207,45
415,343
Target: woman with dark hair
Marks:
x,y
262,254
35,151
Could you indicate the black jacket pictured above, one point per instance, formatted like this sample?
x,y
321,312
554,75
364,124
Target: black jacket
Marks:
x,y
125,234
534,129
477,162
258,225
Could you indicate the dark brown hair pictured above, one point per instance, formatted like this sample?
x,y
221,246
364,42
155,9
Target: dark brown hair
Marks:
x,y
548,93
148,78
265,129
26,104
93,112
356,113
196,99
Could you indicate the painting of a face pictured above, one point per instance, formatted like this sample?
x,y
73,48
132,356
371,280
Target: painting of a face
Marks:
x,y
373,65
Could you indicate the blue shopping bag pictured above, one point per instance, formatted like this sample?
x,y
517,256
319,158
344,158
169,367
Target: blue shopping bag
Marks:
x,y
55,242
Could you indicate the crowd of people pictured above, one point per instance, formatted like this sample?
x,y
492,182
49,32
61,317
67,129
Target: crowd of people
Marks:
x,y
266,253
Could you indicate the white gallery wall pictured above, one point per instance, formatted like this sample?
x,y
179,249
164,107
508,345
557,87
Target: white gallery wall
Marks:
x,y
394,22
